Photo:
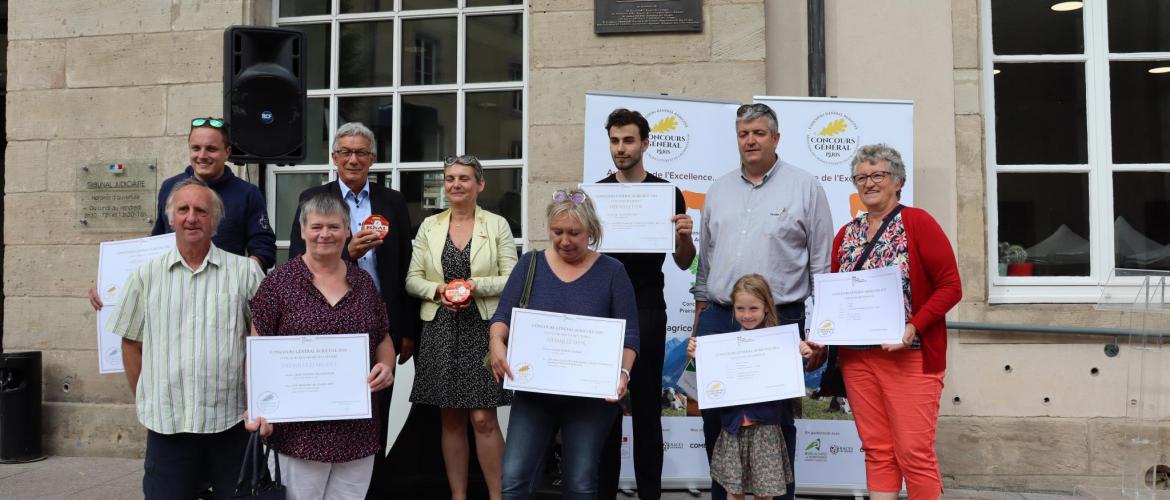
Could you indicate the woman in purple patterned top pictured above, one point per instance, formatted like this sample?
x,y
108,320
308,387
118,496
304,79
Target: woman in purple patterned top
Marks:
x,y
321,294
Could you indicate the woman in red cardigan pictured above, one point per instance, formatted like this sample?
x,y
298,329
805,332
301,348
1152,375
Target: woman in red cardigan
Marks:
x,y
894,389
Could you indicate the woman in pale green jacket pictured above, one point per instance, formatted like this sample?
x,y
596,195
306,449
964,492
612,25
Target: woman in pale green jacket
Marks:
x,y
468,243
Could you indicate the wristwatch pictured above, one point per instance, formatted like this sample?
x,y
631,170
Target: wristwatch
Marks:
x,y
627,372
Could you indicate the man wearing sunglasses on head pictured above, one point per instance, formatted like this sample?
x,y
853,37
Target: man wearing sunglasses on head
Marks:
x,y
244,230
384,253
629,137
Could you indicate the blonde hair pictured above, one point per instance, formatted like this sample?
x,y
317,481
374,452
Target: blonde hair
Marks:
x,y
756,286
583,212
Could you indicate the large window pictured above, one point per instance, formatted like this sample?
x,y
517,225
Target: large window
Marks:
x,y
1077,98
431,78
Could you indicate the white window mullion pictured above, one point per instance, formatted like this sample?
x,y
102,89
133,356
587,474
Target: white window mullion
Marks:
x,y
991,197
396,100
1095,122
334,81
460,80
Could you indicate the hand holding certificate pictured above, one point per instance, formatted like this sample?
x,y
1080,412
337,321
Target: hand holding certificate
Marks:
x,y
636,217
858,308
751,366
116,260
300,378
565,354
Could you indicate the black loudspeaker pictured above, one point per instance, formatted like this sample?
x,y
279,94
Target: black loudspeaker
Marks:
x,y
264,93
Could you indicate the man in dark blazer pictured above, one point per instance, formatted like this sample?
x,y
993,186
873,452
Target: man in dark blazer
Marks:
x,y
385,259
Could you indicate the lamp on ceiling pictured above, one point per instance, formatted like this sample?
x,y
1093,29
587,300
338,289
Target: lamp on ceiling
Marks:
x,y
1067,6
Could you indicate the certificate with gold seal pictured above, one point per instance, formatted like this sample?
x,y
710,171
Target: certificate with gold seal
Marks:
x,y
858,308
565,354
750,366
635,218
302,378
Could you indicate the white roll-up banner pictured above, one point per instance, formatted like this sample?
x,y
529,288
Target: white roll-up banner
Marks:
x,y
821,134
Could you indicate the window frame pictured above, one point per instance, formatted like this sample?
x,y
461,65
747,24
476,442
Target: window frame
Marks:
x,y
1099,168
393,166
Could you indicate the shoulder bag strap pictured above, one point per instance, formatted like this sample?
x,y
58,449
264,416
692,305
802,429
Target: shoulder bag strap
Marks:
x,y
872,242
275,460
527,293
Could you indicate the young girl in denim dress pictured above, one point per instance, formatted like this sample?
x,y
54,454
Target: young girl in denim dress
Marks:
x,y
750,455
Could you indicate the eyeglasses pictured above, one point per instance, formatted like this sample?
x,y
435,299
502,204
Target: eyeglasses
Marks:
x,y
876,177
207,122
575,196
757,107
361,154
469,160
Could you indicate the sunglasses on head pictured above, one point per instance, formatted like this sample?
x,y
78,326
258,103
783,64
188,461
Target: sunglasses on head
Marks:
x,y
757,108
575,196
207,122
470,160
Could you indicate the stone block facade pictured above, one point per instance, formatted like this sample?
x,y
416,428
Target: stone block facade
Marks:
x,y
113,80
118,80
566,60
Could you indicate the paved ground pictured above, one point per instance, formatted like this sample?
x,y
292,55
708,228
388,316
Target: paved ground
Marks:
x,y
121,479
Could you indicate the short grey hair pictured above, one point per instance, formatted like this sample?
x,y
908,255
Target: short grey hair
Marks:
x,y
584,212
875,153
216,202
356,129
466,161
325,204
753,112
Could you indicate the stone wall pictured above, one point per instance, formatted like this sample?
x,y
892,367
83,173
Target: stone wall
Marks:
x,y
566,60
93,80
1023,411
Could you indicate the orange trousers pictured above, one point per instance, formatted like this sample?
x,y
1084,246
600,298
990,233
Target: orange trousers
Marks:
x,y
895,407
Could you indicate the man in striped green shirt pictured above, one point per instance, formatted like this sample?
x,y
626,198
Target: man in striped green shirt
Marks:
x,y
183,320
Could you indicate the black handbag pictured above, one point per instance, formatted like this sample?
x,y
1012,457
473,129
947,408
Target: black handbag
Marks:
x,y
259,485
832,381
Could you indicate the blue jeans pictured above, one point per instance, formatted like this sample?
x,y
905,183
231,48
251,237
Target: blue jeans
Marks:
x,y
720,319
584,424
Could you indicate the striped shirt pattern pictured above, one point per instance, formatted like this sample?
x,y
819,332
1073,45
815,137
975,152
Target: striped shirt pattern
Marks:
x,y
192,324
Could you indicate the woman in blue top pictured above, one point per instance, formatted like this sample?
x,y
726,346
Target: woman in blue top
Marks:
x,y
572,279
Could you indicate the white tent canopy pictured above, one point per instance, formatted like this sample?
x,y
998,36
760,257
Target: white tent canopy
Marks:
x,y
1062,246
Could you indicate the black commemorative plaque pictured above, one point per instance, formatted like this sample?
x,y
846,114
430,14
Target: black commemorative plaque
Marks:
x,y
639,16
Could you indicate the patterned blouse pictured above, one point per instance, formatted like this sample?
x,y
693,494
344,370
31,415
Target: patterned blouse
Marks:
x,y
890,250
287,303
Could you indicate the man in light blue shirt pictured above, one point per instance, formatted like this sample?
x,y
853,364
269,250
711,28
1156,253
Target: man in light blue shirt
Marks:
x,y
359,210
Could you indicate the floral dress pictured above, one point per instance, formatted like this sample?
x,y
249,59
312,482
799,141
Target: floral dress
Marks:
x,y
450,372
890,249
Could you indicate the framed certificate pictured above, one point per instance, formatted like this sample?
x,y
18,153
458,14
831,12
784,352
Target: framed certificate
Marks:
x,y
749,367
858,308
302,378
635,218
565,354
